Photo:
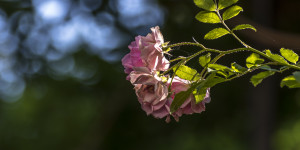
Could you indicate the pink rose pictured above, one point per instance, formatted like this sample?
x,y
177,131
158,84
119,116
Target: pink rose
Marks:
x,y
133,59
146,52
151,50
151,92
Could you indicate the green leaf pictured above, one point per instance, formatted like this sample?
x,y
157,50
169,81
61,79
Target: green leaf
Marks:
x,y
208,17
289,55
276,57
268,68
237,68
253,60
216,33
243,26
199,95
206,4
226,3
220,69
297,76
258,78
232,12
187,73
200,90
210,81
179,99
290,82
205,59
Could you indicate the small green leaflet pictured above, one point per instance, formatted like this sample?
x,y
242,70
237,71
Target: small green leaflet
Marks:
x,y
258,78
232,12
186,73
199,95
290,82
297,76
220,69
237,68
253,60
289,55
208,17
226,3
216,33
206,4
276,57
243,26
268,68
205,59
200,90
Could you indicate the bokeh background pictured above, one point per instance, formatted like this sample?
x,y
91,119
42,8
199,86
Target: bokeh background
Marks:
x,y
62,85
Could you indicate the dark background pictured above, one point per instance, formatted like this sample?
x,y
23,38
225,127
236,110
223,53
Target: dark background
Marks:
x,y
62,85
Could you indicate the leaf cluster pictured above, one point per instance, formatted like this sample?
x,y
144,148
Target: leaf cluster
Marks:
x,y
286,57
213,73
211,14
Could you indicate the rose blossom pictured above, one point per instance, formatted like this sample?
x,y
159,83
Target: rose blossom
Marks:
x,y
133,59
145,60
146,52
151,92
152,52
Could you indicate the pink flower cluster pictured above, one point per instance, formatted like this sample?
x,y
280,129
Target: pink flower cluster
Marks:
x,y
143,64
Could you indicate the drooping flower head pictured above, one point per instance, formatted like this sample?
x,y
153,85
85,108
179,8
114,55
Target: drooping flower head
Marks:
x,y
143,65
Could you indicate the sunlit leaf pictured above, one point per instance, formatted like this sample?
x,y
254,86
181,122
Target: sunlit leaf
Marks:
x,y
258,78
208,17
289,55
204,60
220,69
237,68
253,60
226,3
200,90
290,82
276,57
232,12
216,33
187,73
243,26
199,95
206,4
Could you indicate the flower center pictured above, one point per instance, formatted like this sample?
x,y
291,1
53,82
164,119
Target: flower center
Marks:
x,y
150,88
